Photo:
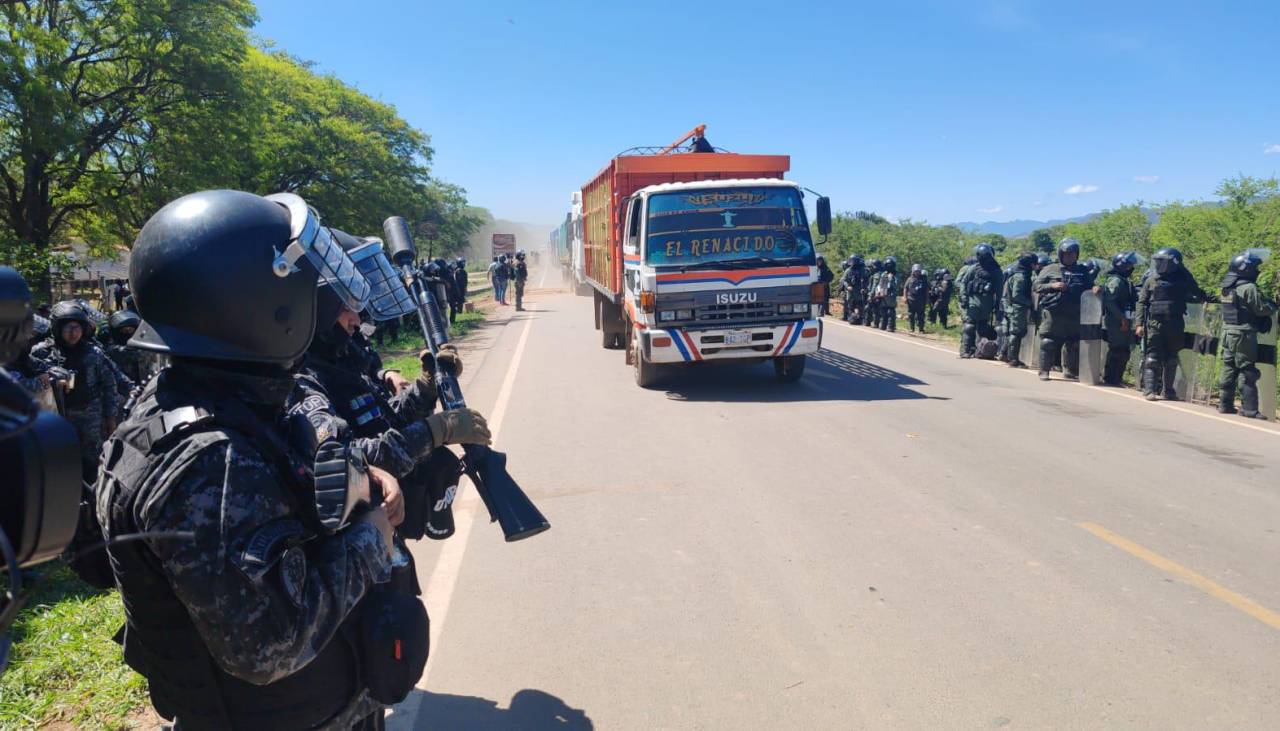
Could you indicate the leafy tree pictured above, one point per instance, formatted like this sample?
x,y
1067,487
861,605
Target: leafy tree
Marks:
x,y
84,81
1042,240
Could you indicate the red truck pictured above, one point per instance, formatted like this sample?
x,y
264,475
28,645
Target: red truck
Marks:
x,y
697,255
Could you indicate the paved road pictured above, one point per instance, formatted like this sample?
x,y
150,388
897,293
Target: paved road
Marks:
x,y
903,539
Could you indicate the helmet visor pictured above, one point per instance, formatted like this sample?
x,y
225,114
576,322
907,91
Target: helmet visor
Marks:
x,y
316,244
388,299
1261,254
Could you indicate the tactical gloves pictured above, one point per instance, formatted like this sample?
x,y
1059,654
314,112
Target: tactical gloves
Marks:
x,y
458,426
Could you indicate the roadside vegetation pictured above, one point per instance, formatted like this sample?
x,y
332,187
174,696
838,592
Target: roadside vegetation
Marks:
x,y
1245,214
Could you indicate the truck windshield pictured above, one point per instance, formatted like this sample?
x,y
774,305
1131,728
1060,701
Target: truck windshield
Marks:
x,y
726,225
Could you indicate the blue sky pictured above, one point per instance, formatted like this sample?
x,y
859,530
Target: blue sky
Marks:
x,y
936,111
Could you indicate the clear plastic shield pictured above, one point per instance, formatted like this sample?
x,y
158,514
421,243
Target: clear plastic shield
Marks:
x,y
388,299
316,244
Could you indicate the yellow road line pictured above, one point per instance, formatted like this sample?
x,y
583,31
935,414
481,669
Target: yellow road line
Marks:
x,y
1217,591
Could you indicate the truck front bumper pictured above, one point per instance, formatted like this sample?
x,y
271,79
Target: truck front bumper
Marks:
x,y
691,345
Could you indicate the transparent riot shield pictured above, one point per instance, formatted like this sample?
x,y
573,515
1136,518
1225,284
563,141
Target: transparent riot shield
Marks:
x,y
1197,361
1091,341
1267,366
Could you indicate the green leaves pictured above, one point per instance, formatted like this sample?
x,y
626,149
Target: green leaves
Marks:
x,y
111,108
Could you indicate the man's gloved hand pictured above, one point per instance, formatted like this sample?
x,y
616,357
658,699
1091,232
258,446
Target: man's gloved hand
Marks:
x,y
458,426
449,358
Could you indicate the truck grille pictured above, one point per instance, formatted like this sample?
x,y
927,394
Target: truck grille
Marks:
x,y
727,314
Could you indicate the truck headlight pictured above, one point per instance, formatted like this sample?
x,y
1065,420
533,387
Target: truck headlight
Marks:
x,y
784,308
684,314
666,316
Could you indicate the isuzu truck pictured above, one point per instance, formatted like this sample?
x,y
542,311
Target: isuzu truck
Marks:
x,y
697,256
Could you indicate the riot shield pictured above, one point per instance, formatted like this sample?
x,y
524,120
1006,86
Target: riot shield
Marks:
x,y
1267,366
1197,361
1091,341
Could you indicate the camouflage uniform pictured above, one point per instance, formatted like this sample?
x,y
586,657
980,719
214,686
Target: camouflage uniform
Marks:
x,y
887,290
245,624
94,399
1016,299
521,276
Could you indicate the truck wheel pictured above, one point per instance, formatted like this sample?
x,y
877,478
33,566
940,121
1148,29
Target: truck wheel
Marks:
x,y
789,368
647,374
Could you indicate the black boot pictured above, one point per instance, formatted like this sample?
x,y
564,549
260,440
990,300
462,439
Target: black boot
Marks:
x,y
1071,361
1227,401
1047,347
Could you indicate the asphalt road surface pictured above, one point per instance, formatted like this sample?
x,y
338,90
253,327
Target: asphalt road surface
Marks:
x,y
902,540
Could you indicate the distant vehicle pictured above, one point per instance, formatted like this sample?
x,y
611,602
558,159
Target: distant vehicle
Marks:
x,y
699,256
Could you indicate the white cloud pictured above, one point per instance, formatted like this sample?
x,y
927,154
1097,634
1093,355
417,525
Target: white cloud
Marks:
x,y
1271,150
1146,178
992,209
1079,188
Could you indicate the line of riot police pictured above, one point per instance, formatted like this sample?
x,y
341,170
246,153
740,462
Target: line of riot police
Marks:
x,y
257,491
1000,307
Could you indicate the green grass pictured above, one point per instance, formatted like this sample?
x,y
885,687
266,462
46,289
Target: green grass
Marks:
x,y
402,353
64,666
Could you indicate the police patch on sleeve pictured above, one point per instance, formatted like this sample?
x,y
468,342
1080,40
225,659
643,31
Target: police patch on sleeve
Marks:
x,y
293,572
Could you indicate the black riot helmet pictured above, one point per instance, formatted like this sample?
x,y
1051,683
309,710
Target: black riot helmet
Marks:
x,y
227,275
891,264
1027,260
519,255
121,320
917,269
855,261
69,311
984,253
874,265
1043,260
1245,266
461,263
1124,262
1166,261
1068,247
940,273
16,317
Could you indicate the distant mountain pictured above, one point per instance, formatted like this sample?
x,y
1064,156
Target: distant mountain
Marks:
x,y
1020,227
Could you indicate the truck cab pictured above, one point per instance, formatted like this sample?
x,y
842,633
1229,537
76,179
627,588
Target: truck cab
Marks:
x,y
719,270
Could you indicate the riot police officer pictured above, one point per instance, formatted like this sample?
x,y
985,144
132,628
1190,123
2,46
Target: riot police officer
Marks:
x,y
855,290
874,311
92,402
917,296
1162,302
458,295
1244,314
391,420
888,287
1016,299
241,609
1118,301
940,297
1059,287
521,276
979,284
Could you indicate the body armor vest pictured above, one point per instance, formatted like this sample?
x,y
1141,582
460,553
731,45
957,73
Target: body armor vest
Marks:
x,y
142,462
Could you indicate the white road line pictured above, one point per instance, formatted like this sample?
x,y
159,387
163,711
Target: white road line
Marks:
x,y
1238,421
543,280
444,577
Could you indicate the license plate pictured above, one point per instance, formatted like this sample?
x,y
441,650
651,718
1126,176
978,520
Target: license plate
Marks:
x,y
737,338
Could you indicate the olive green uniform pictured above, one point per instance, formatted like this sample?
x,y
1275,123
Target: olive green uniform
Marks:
x,y
1119,297
1162,302
1060,315
1016,299
1243,310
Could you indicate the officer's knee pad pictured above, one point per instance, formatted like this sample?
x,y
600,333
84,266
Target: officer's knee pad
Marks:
x,y
1251,375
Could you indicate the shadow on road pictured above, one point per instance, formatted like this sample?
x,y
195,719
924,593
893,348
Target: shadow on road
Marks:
x,y
533,710
829,376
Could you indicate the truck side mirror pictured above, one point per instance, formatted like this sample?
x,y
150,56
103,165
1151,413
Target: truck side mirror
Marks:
x,y
824,215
